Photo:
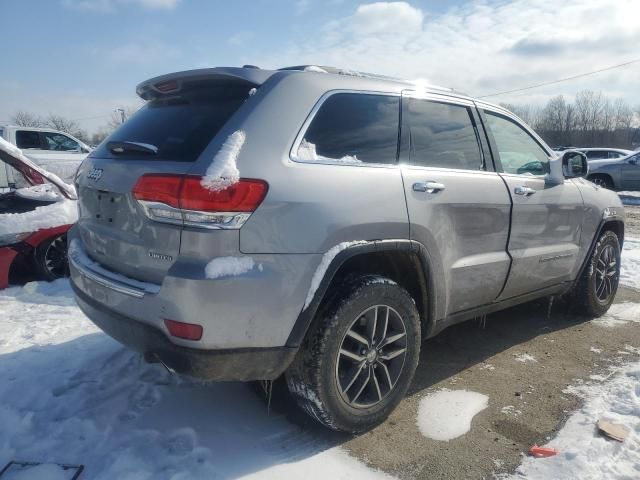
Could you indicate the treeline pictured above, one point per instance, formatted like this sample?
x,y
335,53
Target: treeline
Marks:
x,y
592,120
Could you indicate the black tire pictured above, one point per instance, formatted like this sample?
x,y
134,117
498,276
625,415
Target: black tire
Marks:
x,y
596,289
51,258
603,181
319,374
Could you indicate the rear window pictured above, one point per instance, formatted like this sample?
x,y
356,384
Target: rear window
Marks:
x,y
180,126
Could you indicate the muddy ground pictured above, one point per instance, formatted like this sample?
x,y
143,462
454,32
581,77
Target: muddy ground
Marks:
x,y
482,359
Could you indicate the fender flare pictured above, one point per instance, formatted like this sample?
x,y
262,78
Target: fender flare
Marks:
x,y
594,242
307,315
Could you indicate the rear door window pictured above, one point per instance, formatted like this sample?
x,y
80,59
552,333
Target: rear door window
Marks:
x,y
27,139
442,135
353,128
180,126
596,154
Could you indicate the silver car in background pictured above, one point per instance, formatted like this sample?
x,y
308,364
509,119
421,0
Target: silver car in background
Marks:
x,y
618,174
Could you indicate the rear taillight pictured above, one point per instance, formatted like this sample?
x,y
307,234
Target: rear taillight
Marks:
x,y
188,331
183,199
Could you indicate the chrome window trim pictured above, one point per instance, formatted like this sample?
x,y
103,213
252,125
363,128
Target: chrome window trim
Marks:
x,y
293,152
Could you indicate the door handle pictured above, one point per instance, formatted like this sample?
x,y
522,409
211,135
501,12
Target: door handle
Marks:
x,y
428,187
524,191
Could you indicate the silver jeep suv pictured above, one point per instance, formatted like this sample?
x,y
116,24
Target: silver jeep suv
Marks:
x,y
319,224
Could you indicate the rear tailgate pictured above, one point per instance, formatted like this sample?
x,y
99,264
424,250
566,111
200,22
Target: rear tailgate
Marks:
x,y
173,128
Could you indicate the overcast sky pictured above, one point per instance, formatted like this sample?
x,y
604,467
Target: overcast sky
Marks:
x,y
83,58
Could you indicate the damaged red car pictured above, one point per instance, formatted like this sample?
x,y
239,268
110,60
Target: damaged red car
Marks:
x,y
36,210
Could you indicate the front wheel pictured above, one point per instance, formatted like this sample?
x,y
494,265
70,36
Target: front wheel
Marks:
x,y
596,289
359,356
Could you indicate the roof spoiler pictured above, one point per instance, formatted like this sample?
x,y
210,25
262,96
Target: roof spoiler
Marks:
x,y
174,82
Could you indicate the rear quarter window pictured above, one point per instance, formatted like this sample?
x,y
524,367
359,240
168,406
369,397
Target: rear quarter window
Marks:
x,y
180,126
353,128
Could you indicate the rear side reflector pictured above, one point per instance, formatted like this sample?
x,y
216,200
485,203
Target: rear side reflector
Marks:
x,y
188,331
183,199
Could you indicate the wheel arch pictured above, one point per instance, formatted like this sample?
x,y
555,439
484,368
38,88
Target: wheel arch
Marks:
x,y
616,225
604,175
404,261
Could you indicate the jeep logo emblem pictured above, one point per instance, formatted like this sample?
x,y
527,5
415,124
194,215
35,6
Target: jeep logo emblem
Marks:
x,y
95,174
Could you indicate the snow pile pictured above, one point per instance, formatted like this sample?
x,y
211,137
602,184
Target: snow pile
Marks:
x,y
48,216
314,68
326,260
630,263
585,453
223,172
619,314
525,358
447,414
629,198
307,152
229,266
70,394
44,193
11,149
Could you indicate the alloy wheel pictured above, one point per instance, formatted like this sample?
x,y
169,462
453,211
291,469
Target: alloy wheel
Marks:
x,y
371,356
55,257
606,274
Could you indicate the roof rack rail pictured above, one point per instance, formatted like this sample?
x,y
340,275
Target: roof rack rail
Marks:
x,y
373,76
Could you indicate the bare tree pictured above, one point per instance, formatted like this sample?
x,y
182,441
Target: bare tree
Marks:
x,y
592,120
26,119
66,125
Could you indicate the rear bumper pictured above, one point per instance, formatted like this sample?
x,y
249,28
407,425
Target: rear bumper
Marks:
x,y
238,364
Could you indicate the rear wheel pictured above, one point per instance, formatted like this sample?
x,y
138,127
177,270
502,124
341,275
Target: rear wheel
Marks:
x,y
51,258
596,289
603,181
359,357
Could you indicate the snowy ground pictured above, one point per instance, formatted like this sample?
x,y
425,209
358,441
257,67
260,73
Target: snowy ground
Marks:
x,y
69,394
630,266
583,452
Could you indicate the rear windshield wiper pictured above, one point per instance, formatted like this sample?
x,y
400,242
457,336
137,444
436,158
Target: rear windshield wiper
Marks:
x,y
135,147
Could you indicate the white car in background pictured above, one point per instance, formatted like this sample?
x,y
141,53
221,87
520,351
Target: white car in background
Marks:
x,y
595,153
55,151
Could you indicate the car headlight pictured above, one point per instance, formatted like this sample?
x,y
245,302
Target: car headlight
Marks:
x,y
13,238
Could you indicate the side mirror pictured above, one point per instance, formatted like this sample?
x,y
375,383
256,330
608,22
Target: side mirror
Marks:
x,y
633,161
574,164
